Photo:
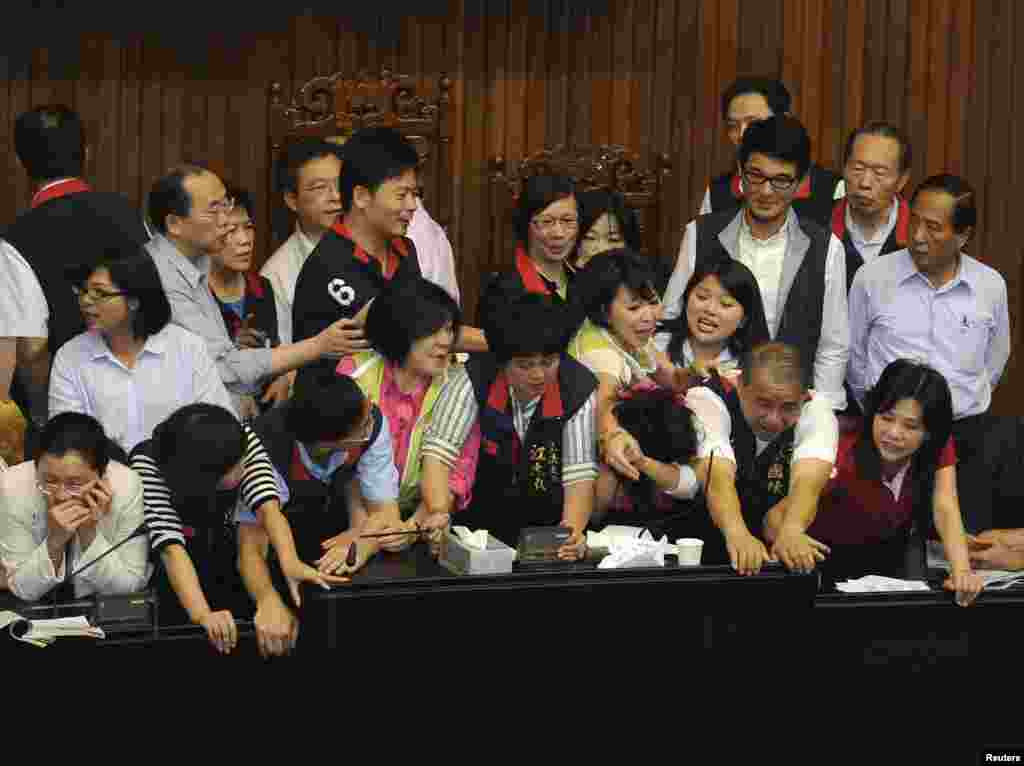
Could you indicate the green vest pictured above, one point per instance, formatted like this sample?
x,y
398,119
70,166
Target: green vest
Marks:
x,y
590,337
369,376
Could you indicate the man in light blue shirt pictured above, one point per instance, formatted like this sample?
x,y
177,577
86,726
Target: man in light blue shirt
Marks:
x,y
932,302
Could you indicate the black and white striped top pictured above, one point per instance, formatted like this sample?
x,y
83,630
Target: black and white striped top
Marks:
x,y
259,485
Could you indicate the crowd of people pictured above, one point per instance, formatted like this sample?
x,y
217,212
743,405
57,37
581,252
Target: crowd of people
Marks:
x,y
811,386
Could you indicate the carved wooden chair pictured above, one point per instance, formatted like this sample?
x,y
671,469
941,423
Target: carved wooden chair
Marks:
x,y
611,167
332,107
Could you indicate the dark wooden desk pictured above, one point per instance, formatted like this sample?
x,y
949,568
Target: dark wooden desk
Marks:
x,y
409,600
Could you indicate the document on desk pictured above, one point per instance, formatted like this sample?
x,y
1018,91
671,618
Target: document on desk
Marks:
x,y
880,584
45,632
994,579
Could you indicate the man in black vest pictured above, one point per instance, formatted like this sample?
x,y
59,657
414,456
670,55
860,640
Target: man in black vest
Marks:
x,y
783,442
746,101
800,266
873,219
68,226
332,446
536,408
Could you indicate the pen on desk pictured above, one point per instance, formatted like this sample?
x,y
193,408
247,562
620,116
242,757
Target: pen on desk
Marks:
x,y
392,534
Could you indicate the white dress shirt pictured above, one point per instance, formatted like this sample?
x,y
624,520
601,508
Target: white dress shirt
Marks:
x,y
23,533
24,312
764,259
172,370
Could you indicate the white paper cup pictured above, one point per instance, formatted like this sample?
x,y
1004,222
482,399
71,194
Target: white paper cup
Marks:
x,y
689,550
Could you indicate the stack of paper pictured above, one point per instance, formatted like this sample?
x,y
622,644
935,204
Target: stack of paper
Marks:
x,y
45,632
879,584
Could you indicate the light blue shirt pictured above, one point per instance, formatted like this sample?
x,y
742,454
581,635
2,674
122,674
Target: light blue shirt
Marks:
x,y
962,329
193,307
172,370
376,471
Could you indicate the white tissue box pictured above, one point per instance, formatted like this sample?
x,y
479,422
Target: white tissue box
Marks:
x,y
459,558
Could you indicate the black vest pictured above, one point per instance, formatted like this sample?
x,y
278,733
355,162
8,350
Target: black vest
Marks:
x,y
854,260
761,480
308,494
801,317
816,207
334,284
65,233
502,287
520,485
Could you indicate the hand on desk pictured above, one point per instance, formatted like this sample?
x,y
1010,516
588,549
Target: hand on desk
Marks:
x,y
297,572
747,554
277,628
996,549
798,550
220,629
575,548
967,586
337,555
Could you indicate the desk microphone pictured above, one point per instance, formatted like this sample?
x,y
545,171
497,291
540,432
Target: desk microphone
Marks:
x,y
139,530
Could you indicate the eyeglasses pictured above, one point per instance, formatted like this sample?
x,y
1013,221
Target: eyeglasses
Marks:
x,y
93,295
364,435
547,224
779,183
323,189
220,209
72,488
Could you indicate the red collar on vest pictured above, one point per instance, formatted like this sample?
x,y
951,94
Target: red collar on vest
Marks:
x,y
60,189
801,193
902,221
396,250
550,403
532,280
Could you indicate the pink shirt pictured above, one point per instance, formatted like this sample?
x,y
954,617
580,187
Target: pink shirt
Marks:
x,y
401,410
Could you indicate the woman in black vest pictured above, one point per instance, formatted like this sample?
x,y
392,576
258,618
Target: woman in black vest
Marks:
x,y
546,226
536,410
245,298
204,474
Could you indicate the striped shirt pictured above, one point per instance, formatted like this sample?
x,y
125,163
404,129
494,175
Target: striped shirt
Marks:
x,y
259,485
456,412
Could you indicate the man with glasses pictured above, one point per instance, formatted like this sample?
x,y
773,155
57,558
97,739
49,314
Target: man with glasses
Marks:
x,y
333,447
68,224
189,209
800,266
744,102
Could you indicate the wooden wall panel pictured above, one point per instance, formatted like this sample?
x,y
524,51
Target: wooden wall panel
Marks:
x,y
534,73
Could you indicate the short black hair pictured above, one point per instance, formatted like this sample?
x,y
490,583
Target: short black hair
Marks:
x,y
371,157
50,142
325,406
781,360
740,282
781,137
296,154
408,310
664,430
133,273
599,283
965,210
538,192
527,324
774,92
906,379
168,195
596,202
76,432
886,130
242,197
195,447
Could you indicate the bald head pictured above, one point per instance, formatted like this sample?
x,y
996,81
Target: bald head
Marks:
x,y
775,363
